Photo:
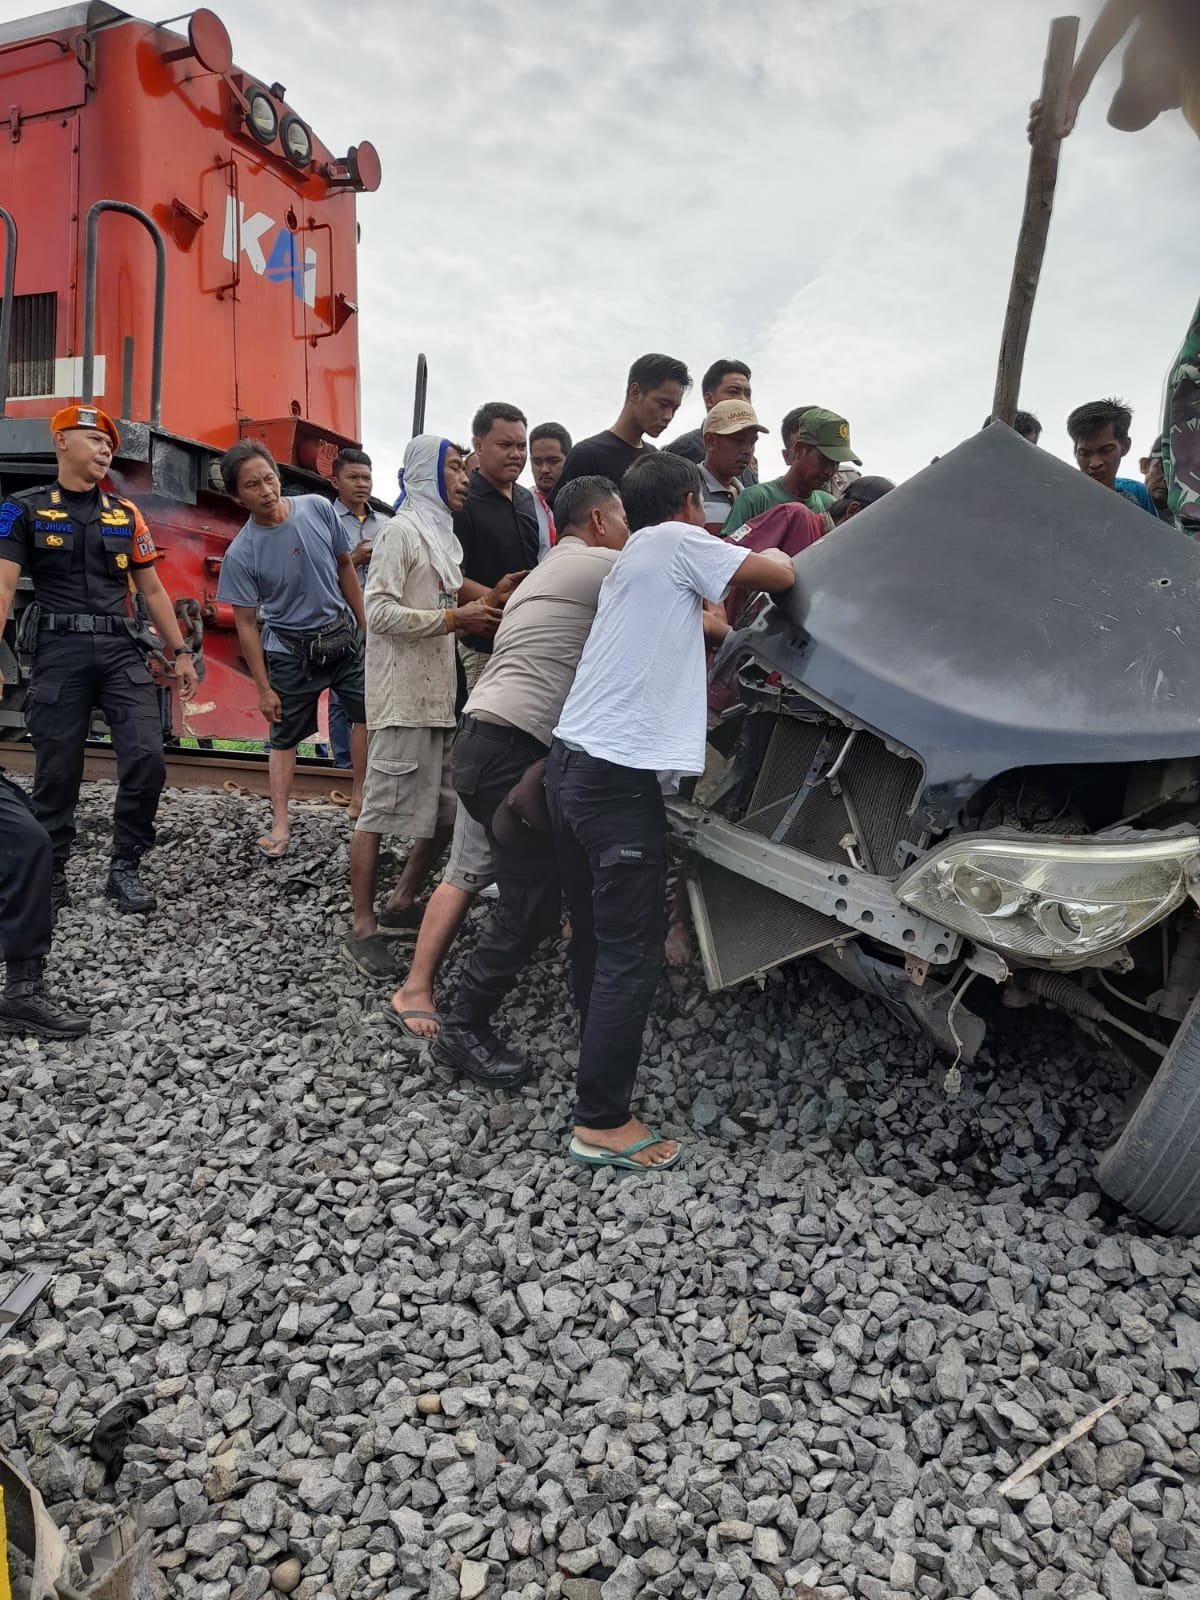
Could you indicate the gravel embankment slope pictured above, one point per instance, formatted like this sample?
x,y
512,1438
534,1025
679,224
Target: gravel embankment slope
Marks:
x,y
386,1330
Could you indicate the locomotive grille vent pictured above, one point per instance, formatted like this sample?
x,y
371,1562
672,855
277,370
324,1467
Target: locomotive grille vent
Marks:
x,y
31,346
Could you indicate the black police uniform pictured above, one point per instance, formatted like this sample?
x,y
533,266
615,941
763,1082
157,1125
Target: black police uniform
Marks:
x,y
79,549
26,1005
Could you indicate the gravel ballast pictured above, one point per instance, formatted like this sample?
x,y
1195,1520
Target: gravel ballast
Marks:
x,y
393,1344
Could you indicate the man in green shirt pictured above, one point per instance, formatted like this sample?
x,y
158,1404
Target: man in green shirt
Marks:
x,y
815,443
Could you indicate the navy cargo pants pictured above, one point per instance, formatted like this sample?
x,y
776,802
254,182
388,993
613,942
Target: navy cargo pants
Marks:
x,y
72,673
610,832
24,879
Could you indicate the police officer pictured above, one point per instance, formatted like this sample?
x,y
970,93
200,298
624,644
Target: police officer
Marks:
x,y
27,1006
86,551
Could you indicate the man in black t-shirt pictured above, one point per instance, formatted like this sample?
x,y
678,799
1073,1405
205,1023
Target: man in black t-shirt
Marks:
x,y
654,392
498,526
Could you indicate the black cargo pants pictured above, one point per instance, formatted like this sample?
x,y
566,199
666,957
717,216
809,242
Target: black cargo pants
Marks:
x,y
610,831
24,879
72,673
486,761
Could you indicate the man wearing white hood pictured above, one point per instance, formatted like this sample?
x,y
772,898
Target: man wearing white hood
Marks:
x,y
414,587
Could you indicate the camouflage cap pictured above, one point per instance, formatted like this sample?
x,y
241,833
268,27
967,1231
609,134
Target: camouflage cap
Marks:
x,y
828,432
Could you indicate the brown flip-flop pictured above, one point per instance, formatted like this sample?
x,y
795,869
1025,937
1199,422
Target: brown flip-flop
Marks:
x,y
338,797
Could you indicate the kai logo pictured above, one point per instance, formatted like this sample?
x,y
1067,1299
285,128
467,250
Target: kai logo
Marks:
x,y
278,258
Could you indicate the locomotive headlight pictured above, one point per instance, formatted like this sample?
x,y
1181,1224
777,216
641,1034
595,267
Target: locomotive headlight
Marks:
x,y
296,140
262,117
1052,899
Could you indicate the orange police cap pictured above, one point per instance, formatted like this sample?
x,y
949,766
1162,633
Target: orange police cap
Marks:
x,y
85,417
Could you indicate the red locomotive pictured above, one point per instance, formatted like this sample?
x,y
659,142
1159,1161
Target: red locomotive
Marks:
x,y
181,248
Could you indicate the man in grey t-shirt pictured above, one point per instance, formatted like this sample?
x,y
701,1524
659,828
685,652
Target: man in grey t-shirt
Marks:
x,y
290,571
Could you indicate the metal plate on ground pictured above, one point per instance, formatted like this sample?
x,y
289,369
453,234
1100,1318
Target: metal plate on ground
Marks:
x,y
743,928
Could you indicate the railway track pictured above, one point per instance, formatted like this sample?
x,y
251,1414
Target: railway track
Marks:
x,y
195,769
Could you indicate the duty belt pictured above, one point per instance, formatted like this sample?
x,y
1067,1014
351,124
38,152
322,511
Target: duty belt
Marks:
x,y
80,622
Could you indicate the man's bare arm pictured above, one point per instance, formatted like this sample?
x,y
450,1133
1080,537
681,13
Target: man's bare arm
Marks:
x,y
10,572
1109,28
771,571
162,614
159,604
351,589
250,642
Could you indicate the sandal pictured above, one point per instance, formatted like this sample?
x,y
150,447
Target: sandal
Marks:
x,y
410,1039
595,1155
399,924
338,797
373,956
274,849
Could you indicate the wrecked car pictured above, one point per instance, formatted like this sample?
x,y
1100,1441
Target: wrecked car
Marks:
x,y
964,751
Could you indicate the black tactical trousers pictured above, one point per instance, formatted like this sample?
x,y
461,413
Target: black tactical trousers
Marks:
x,y
72,672
24,879
485,763
610,830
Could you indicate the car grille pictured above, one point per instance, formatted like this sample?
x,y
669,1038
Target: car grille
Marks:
x,y
883,788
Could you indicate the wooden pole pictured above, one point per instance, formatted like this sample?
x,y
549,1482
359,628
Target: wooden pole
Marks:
x,y
1035,223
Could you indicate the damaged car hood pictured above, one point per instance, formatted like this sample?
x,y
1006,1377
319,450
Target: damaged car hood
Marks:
x,y
999,610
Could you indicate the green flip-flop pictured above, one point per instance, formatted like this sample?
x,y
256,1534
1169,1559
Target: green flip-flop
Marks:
x,y
595,1155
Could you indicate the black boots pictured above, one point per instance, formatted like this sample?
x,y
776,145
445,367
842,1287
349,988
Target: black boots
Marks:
x,y
60,895
27,1006
127,889
480,1056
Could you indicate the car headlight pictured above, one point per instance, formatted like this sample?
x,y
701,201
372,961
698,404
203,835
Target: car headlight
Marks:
x,y
1051,898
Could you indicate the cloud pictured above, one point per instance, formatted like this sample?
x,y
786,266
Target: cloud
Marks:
x,y
830,190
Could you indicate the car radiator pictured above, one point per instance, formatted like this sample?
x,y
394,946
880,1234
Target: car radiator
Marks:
x,y
744,928
882,788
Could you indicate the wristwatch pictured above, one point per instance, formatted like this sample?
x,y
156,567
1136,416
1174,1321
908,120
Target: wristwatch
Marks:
x,y
183,650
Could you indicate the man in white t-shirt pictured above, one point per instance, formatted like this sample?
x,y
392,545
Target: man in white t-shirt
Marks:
x,y
635,718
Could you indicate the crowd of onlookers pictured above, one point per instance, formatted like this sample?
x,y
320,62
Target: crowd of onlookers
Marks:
x,y
530,664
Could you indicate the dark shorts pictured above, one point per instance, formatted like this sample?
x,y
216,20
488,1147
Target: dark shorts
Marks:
x,y
299,694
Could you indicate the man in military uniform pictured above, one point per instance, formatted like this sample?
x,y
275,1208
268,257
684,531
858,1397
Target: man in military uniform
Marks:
x,y
87,552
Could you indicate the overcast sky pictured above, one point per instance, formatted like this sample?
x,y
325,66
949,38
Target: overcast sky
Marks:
x,y
828,189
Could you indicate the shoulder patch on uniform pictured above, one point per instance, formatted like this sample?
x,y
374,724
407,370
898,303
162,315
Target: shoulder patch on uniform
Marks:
x,y
9,513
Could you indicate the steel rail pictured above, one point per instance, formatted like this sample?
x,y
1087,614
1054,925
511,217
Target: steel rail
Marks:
x,y
194,769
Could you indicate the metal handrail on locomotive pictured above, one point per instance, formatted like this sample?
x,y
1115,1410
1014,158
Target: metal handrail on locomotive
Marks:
x,y
180,247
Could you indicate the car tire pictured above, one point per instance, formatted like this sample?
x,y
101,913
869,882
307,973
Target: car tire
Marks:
x,y
1153,1168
